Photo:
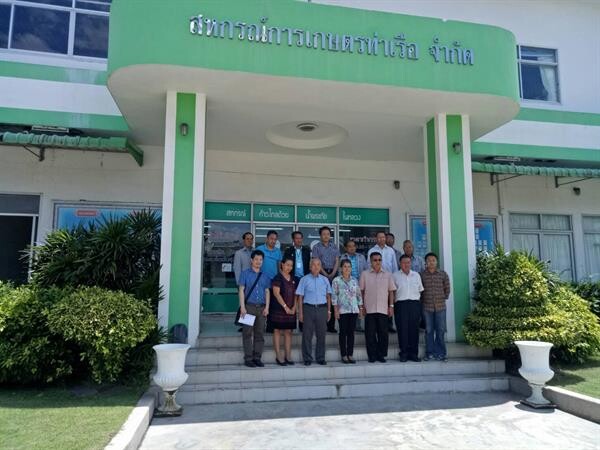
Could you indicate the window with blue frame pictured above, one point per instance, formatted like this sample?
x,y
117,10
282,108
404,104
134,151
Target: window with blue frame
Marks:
x,y
64,27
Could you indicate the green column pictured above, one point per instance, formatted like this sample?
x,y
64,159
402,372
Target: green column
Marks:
x,y
181,236
450,210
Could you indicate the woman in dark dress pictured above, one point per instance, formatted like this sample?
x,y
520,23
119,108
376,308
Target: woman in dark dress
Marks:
x,y
282,311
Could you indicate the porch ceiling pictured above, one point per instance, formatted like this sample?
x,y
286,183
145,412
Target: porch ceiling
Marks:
x,y
383,122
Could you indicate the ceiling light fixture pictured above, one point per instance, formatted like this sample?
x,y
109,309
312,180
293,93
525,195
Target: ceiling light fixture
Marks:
x,y
307,127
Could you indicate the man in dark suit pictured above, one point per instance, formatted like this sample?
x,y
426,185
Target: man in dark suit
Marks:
x,y
301,256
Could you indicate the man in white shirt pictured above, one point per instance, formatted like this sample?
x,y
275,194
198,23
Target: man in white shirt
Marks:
x,y
407,309
388,255
389,263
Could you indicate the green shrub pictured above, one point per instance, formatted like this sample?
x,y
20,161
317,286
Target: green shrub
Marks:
x,y
589,291
106,325
29,351
518,298
577,335
118,254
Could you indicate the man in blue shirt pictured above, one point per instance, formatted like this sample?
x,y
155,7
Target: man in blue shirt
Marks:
x,y
314,310
272,255
357,260
253,293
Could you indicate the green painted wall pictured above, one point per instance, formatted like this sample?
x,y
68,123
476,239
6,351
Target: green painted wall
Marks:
x,y
550,115
181,241
458,226
434,229
155,32
52,73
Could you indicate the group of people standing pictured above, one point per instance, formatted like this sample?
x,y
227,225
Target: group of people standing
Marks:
x,y
318,288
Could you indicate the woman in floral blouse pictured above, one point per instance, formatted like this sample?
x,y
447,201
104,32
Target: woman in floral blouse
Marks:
x,y
348,305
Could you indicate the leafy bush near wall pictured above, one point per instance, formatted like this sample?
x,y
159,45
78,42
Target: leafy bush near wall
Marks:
x,y
29,351
106,325
590,292
518,298
118,254
578,335
56,334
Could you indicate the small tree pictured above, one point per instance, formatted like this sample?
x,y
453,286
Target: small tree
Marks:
x,y
518,298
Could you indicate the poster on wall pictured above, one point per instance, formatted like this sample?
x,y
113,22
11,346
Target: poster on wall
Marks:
x,y
485,234
418,233
72,215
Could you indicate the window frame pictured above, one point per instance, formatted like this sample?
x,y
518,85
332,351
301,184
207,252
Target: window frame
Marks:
x,y
556,66
72,10
588,269
541,232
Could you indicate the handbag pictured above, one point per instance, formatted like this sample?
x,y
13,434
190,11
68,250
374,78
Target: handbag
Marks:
x,y
239,311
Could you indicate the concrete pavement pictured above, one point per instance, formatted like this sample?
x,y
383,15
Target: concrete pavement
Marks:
x,y
453,421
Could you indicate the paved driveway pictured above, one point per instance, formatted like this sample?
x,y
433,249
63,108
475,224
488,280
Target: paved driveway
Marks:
x,y
453,421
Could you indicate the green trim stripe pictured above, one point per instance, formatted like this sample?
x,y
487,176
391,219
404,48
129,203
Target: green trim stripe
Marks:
x,y
551,115
181,241
63,119
433,188
458,226
535,151
52,73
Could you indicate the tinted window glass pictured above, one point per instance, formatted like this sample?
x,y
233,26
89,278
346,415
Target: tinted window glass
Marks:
x,y
41,30
4,25
91,35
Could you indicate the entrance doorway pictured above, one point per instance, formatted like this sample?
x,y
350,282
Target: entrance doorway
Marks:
x,y
18,227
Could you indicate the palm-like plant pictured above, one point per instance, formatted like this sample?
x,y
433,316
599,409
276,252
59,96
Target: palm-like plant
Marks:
x,y
114,253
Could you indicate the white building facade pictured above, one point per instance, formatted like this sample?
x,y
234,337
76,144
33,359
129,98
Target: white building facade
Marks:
x,y
461,133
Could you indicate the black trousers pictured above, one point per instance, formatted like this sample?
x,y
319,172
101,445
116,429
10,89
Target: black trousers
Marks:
x,y
376,335
408,318
331,321
347,326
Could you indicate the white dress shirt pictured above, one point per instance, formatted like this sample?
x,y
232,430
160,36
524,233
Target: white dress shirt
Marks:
x,y
409,287
388,258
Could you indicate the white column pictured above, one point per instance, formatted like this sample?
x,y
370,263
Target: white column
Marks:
x,y
443,201
197,220
167,207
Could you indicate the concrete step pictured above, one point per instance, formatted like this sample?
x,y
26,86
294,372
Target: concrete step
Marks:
x,y
234,340
336,370
234,354
337,388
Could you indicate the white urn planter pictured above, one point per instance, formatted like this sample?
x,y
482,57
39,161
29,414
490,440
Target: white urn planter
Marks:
x,y
170,375
535,368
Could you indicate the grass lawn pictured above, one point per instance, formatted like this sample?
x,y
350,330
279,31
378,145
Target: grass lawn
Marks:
x,y
584,378
63,418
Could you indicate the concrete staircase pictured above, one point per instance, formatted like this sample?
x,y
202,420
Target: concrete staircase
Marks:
x,y
216,373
